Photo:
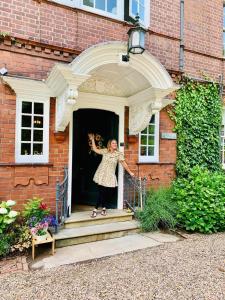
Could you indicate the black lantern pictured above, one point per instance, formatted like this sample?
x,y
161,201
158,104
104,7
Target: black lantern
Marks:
x,y
136,40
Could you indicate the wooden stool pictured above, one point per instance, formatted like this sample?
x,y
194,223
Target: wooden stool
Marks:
x,y
48,239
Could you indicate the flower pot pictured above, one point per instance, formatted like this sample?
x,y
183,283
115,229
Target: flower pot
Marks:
x,y
40,238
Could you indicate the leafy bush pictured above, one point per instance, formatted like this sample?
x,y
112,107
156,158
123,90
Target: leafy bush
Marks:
x,y
21,238
35,210
159,211
5,244
7,215
201,200
198,117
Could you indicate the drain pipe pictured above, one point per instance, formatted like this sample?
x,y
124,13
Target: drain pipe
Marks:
x,y
181,54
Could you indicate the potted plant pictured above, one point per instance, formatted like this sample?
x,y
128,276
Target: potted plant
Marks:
x,y
40,231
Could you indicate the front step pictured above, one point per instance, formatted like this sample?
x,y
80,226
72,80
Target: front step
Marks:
x,y
80,219
92,233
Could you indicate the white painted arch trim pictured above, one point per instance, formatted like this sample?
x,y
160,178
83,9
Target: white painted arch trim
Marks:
x,y
109,53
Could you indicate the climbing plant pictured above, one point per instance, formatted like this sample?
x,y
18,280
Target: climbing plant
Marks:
x,y
198,116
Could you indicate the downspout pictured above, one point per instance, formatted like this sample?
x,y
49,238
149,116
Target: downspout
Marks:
x,y
181,54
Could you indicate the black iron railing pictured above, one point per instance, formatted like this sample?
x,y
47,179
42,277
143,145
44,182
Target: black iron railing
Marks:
x,y
62,210
134,192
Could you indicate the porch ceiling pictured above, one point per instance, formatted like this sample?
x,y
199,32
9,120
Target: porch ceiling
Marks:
x,y
115,80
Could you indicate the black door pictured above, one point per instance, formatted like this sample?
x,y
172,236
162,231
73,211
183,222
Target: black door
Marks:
x,y
85,162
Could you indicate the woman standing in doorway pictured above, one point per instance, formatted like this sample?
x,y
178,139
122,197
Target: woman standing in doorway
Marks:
x,y
105,175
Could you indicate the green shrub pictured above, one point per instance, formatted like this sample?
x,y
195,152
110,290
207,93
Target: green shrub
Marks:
x,y
5,244
21,238
198,117
35,210
159,211
7,215
201,200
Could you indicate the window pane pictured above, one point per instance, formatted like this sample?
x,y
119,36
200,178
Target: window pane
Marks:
x,y
100,4
151,129
39,108
152,121
112,6
26,121
224,17
143,150
38,122
26,135
141,13
144,131
151,151
26,107
143,139
38,135
151,140
89,3
25,149
134,7
37,149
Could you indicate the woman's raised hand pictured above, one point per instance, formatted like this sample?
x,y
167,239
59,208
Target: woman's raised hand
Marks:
x,y
91,136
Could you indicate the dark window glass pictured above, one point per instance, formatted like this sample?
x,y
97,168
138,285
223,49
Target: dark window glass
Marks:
x,y
26,135
39,108
143,150
89,3
26,107
26,121
151,151
38,122
37,149
25,149
38,136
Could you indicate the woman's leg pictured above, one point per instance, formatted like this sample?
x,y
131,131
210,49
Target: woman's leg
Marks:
x,y
100,196
108,192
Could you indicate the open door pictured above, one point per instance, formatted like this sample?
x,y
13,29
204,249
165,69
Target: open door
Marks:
x,y
85,162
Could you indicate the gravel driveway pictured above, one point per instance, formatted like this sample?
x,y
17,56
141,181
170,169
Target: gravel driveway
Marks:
x,y
188,269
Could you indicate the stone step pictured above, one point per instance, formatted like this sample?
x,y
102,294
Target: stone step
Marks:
x,y
92,233
80,219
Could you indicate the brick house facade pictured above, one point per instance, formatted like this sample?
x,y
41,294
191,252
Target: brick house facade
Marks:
x,y
43,34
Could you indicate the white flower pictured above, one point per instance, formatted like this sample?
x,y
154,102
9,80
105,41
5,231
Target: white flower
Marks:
x,y
3,211
10,202
13,214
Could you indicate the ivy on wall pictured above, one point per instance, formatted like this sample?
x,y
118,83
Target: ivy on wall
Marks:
x,y
198,116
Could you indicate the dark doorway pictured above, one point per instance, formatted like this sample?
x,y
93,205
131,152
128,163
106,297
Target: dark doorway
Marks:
x,y
85,162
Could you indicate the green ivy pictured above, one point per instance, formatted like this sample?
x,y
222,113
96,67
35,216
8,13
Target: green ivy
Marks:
x,y
198,117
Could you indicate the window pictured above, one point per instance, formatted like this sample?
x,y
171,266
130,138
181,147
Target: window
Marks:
x,y
223,140
149,141
32,131
109,6
117,9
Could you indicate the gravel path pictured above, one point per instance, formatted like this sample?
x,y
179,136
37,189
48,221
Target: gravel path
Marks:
x,y
192,269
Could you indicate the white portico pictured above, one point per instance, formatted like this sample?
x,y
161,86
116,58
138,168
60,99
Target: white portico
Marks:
x,y
99,79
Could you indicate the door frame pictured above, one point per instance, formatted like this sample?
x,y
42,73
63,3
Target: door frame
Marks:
x,y
103,102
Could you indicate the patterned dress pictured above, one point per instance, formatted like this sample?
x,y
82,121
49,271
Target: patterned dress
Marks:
x,y
105,174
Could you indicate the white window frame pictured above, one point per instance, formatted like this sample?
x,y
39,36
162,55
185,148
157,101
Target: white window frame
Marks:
x,y
146,21
79,4
32,158
223,140
153,158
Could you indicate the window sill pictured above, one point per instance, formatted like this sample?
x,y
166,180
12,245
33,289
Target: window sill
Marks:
x,y
26,164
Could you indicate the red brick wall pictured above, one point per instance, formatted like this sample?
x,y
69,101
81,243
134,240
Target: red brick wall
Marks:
x,y
157,174
35,180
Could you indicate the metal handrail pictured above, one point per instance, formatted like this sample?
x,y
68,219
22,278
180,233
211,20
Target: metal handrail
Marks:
x,y
61,212
135,192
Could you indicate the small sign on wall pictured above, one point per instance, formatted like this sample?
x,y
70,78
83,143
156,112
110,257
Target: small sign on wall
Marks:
x,y
168,135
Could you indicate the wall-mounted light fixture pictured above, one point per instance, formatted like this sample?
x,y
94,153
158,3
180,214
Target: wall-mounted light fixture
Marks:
x,y
136,40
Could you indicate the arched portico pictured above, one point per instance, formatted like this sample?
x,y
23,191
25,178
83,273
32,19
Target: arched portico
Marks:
x,y
142,83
